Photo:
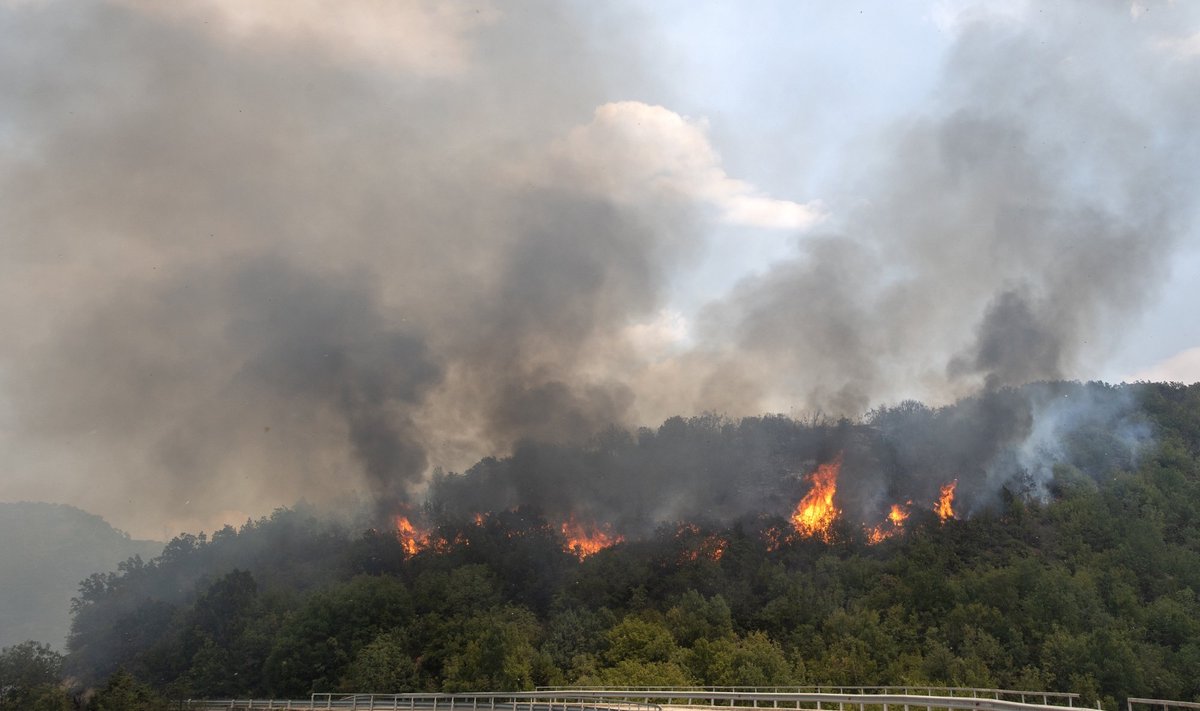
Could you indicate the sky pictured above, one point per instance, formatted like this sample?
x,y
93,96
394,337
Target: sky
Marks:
x,y
258,251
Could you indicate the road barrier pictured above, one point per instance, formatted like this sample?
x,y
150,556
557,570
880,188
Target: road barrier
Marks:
x,y
1047,698
658,698
485,701
1160,704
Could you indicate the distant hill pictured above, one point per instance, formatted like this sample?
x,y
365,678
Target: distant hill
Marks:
x,y
45,551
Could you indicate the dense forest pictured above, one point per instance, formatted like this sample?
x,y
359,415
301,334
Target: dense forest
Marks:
x,y
1076,569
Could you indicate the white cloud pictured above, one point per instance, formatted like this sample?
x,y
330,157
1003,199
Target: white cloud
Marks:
x,y
636,152
1183,367
1181,46
664,335
951,16
421,36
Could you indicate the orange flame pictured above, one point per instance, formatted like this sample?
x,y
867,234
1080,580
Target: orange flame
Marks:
x,y
412,539
816,512
893,525
711,547
441,544
583,541
774,537
945,504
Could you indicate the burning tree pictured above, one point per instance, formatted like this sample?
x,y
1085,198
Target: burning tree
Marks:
x,y
815,514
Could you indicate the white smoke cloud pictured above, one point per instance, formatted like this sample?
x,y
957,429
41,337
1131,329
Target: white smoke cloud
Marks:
x,y
638,153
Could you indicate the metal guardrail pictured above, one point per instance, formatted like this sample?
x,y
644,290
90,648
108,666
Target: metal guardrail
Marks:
x,y
823,700
1048,698
507,701
654,699
1160,704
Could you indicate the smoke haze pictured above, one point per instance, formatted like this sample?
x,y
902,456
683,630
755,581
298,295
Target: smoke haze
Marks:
x,y
255,253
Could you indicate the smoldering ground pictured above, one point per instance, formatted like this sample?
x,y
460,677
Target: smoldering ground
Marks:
x,y
247,263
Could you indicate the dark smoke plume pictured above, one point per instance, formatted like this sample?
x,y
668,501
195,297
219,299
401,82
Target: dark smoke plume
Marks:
x,y
249,261
716,471
1012,346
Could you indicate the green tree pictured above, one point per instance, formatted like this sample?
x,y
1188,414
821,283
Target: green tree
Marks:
x,y
633,673
316,642
29,678
575,632
124,693
697,617
752,661
497,653
383,667
639,640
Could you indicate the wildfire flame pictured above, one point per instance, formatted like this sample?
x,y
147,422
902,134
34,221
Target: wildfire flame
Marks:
x,y
890,527
816,512
583,541
711,547
945,504
412,539
444,545
774,537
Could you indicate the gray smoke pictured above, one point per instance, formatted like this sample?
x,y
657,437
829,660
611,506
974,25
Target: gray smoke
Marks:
x,y
240,274
1007,234
240,270
1013,347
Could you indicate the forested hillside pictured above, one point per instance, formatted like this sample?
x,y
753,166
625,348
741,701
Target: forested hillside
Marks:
x,y
45,550
1082,577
